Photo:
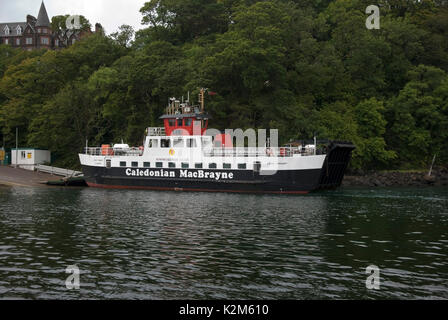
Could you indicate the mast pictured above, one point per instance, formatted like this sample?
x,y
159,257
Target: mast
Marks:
x,y
201,99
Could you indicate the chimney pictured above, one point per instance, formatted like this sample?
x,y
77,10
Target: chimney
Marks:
x,y
98,27
31,20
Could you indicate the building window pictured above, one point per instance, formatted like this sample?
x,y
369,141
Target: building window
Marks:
x,y
241,166
44,41
198,165
23,154
6,30
18,42
122,163
146,164
179,122
73,41
19,30
6,41
159,164
226,166
56,43
187,122
171,122
185,165
212,166
39,30
171,165
134,164
29,40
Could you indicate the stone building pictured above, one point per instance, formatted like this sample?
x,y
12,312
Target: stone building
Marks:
x,y
38,34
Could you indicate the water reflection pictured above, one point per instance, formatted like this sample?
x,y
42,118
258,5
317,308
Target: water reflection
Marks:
x,y
166,245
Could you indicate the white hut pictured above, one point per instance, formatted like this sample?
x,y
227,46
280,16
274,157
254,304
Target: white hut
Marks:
x,y
27,158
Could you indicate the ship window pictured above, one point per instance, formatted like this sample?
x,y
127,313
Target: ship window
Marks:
x,y
187,122
226,166
159,164
171,122
171,165
153,143
165,143
191,143
206,141
179,122
108,163
178,143
134,164
198,165
122,163
241,166
212,166
185,165
146,164
257,166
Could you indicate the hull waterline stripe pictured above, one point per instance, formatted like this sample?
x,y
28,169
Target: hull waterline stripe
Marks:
x,y
90,184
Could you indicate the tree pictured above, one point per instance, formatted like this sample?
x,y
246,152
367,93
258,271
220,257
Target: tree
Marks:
x,y
124,36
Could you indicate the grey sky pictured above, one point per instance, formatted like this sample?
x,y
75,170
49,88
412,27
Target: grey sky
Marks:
x,y
110,13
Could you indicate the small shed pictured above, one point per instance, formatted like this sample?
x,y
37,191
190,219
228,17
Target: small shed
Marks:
x,y
28,158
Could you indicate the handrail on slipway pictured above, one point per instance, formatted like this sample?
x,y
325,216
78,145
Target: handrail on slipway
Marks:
x,y
57,171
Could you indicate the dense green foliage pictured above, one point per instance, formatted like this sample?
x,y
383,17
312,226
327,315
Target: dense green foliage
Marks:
x,y
304,67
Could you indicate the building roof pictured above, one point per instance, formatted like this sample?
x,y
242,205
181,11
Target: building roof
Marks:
x,y
12,28
42,17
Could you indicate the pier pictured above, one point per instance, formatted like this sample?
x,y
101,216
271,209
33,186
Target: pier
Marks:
x,y
27,178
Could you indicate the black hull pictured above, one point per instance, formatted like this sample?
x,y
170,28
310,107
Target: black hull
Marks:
x,y
330,176
300,181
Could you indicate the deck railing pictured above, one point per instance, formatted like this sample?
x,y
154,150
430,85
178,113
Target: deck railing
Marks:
x,y
102,151
156,131
213,151
258,152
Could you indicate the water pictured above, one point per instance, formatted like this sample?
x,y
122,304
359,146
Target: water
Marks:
x,y
169,245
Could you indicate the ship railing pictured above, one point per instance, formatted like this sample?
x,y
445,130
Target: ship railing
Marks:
x,y
156,131
102,151
259,152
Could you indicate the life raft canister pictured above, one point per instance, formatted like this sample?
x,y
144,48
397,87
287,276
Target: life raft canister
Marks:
x,y
282,152
106,150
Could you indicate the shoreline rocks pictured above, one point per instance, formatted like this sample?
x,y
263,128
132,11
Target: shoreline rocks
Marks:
x,y
439,177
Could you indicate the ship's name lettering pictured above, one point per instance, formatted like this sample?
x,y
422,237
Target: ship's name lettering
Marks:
x,y
199,174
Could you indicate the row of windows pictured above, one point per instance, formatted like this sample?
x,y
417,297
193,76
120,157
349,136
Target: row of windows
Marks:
x,y
45,41
176,142
8,31
19,30
180,122
184,165
30,41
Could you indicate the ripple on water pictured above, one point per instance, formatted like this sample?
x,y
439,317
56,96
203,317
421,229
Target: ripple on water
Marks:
x,y
162,245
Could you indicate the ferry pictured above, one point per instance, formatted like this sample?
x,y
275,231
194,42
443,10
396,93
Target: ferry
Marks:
x,y
183,156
